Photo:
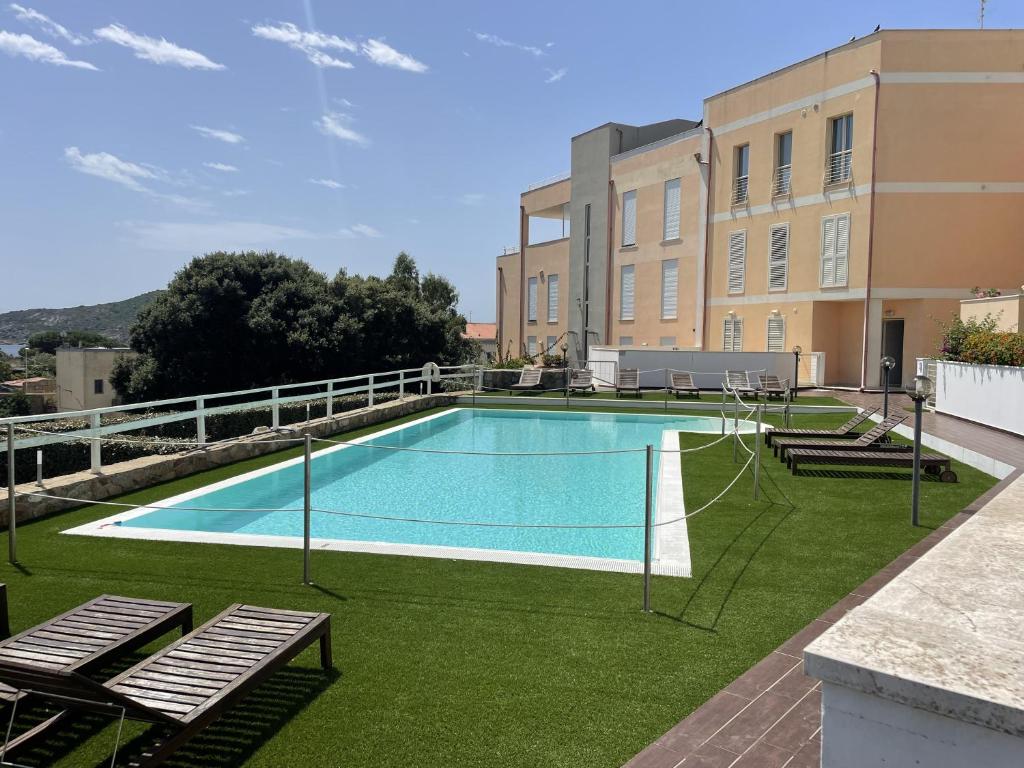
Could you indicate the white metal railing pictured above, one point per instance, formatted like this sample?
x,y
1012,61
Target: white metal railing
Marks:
x,y
781,181
839,167
199,406
740,186
549,180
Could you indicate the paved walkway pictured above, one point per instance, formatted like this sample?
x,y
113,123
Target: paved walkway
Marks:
x,y
770,716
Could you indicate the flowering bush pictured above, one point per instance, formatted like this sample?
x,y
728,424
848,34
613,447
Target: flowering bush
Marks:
x,y
993,348
956,331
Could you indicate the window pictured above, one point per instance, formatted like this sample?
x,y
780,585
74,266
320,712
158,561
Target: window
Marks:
x,y
783,164
667,341
626,293
741,169
778,257
625,341
552,298
835,250
737,260
531,300
732,334
839,167
669,288
629,218
531,345
549,347
776,333
671,210
97,386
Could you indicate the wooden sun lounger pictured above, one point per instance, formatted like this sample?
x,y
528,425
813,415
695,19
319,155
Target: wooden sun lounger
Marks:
x,y
581,380
771,386
845,431
867,441
190,683
628,380
529,378
739,382
681,383
931,463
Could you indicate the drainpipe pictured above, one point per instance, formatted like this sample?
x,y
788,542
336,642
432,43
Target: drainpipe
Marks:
x,y
610,270
871,237
522,280
500,304
707,239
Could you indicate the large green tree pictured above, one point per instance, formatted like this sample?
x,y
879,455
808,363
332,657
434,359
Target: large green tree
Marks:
x,y
48,341
233,321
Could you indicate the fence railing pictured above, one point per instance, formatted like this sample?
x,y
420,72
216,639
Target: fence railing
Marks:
x,y
839,167
781,181
740,186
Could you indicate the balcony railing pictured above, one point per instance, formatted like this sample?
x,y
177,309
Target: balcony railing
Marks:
x,y
780,181
839,167
549,180
740,186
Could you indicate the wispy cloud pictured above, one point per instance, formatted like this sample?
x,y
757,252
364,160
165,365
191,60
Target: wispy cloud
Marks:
x,y
329,183
336,125
221,167
158,51
108,167
47,25
365,230
227,137
312,43
207,236
236,192
384,55
35,50
472,198
554,75
501,42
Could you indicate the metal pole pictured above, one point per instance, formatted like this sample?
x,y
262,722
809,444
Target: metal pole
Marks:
x,y
306,505
666,388
915,497
735,426
648,510
568,373
796,373
885,395
757,455
12,509
39,468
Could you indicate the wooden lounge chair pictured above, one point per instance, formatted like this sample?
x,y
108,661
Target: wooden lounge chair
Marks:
x,y
870,440
681,383
845,431
529,378
190,683
771,386
628,380
581,380
739,382
931,463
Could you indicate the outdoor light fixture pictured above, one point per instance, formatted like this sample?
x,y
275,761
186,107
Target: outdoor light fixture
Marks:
x,y
797,351
887,366
921,392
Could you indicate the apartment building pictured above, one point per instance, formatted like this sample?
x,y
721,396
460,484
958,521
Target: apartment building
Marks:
x,y
83,376
844,204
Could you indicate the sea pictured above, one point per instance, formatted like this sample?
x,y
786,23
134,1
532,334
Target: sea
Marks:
x,y
11,349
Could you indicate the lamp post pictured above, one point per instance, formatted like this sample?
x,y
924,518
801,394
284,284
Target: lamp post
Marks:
x,y
922,390
565,354
797,350
887,365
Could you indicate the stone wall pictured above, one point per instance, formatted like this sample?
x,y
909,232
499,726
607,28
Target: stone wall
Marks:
x,y
117,479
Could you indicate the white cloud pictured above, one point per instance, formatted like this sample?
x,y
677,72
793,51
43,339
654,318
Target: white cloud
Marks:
x,y
48,25
365,230
214,133
35,50
236,192
157,51
554,75
312,43
501,42
329,183
207,236
335,124
221,167
109,167
383,54
472,198
343,102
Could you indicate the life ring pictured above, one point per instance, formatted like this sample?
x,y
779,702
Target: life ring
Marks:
x,y
431,372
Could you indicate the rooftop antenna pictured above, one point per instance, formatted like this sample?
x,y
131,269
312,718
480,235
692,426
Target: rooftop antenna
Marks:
x,y
981,14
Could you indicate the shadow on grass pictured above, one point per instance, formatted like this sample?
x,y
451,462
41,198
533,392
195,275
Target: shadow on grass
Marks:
x,y
839,474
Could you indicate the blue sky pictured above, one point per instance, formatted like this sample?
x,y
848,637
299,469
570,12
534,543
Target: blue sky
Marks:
x,y
134,136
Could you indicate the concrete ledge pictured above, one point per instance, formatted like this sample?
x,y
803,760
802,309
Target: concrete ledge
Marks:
x,y
127,476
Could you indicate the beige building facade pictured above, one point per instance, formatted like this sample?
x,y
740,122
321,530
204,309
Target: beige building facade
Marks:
x,y
83,377
844,204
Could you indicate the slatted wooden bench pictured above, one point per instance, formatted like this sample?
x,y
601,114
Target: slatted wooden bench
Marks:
x,y
931,463
869,441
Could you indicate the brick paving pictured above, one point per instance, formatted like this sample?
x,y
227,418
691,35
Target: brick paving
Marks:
x,y
770,716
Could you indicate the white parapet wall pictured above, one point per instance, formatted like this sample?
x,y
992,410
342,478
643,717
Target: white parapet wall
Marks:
x,y
930,670
988,394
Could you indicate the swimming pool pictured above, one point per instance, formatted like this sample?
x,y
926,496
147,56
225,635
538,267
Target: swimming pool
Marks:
x,y
525,507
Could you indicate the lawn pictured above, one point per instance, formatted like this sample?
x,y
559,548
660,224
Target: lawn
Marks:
x,y
475,664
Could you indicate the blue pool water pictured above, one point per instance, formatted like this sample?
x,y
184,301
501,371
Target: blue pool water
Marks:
x,y
595,489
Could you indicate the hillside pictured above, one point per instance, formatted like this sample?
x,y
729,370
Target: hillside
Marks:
x,y
112,319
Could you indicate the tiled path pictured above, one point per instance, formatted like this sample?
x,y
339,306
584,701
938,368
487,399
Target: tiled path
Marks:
x,y
770,717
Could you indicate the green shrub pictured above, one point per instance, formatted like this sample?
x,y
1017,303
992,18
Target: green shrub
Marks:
x,y
956,331
993,348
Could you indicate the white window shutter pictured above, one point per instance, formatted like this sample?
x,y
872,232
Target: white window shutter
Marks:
x,y
778,258
737,260
842,248
531,298
828,251
727,335
629,218
671,209
531,345
776,333
737,334
552,298
626,289
669,289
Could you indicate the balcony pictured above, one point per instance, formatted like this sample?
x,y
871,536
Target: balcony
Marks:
x,y
740,185
839,168
781,181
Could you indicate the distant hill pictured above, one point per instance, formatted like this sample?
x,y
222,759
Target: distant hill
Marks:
x,y
113,319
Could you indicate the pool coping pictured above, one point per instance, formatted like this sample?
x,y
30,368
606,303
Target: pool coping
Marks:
x,y
669,503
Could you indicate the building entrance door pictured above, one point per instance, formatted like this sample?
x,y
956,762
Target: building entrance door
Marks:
x,y
892,346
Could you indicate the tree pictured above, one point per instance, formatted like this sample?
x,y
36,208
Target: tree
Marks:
x,y
48,341
14,404
6,371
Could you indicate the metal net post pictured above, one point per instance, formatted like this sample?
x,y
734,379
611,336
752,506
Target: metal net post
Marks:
x,y
757,455
306,508
648,510
12,509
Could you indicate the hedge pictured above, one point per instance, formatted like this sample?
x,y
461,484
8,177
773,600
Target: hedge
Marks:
x,y
993,348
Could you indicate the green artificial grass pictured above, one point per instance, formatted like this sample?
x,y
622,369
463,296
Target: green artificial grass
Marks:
x,y
444,662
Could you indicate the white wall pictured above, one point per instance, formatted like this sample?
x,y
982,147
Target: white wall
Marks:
x,y
988,394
